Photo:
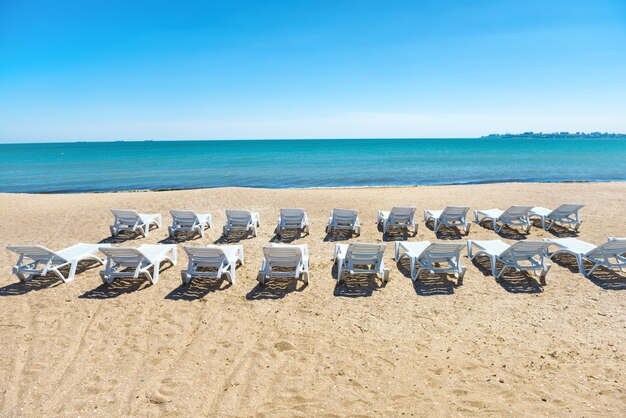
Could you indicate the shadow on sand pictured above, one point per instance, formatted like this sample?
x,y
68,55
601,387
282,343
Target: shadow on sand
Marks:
x,y
275,289
511,281
356,285
506,232
605,278
429,284
45,282
198,288
120,286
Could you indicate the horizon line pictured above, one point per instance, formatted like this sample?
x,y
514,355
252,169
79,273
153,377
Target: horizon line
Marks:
x,y
487,136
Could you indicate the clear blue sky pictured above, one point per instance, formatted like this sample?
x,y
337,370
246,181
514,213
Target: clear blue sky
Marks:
x,y
83,70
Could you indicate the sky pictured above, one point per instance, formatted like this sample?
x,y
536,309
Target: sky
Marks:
x,y
163,70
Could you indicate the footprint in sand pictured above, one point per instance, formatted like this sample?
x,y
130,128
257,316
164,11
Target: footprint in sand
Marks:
x,y
284,346
164,394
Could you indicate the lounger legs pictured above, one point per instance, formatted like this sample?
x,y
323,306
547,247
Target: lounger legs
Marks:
x,y
71,274
414,274
582,269
185,276
461,273
229,276
261,278
494,267
154,277
339,275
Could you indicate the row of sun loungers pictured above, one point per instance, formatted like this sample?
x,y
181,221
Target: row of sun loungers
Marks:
x,y
247,222
292,261
520,216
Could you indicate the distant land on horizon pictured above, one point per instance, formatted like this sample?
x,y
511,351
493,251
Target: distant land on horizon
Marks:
x,y
557,135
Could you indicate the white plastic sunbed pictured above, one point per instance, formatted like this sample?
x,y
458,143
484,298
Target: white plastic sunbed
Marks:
x,y
292,219
438,257
398,217
611,254
189,221
53,261
344,220
281,260
566,214
132,262
513,216
213,261
522,255
241,221
357,258
129,220
451,216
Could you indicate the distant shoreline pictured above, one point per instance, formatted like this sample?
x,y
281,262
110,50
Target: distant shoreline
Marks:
x,y
559,135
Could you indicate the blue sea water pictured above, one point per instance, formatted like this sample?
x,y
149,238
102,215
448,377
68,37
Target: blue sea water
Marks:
x,y
116,166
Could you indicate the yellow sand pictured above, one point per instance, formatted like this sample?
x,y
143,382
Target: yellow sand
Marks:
x,y
84,349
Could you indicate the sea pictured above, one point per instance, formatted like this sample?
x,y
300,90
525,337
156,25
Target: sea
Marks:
x,y
169,165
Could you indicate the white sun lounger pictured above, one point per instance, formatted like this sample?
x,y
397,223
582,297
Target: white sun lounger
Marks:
x,y
566,214
222,260
132,262
189,221
280,260
513,216
611,254
357,258
241,221
344,220
398,217
129,220
438,257
52,261
292,219
451,216
522,255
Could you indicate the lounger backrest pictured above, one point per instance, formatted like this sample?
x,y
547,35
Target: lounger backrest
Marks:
x,y
402,214
38,253
566,210
184,217
441,252
124,216
453,213
344,216
516,212
283,256
365,254
523,250
292,215
238,217
128,257
206,256
611,248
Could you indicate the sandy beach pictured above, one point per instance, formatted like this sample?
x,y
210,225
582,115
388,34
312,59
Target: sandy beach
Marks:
x,y
359,349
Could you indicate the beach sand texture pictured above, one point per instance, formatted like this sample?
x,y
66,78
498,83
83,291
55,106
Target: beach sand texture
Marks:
x,y
364,349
